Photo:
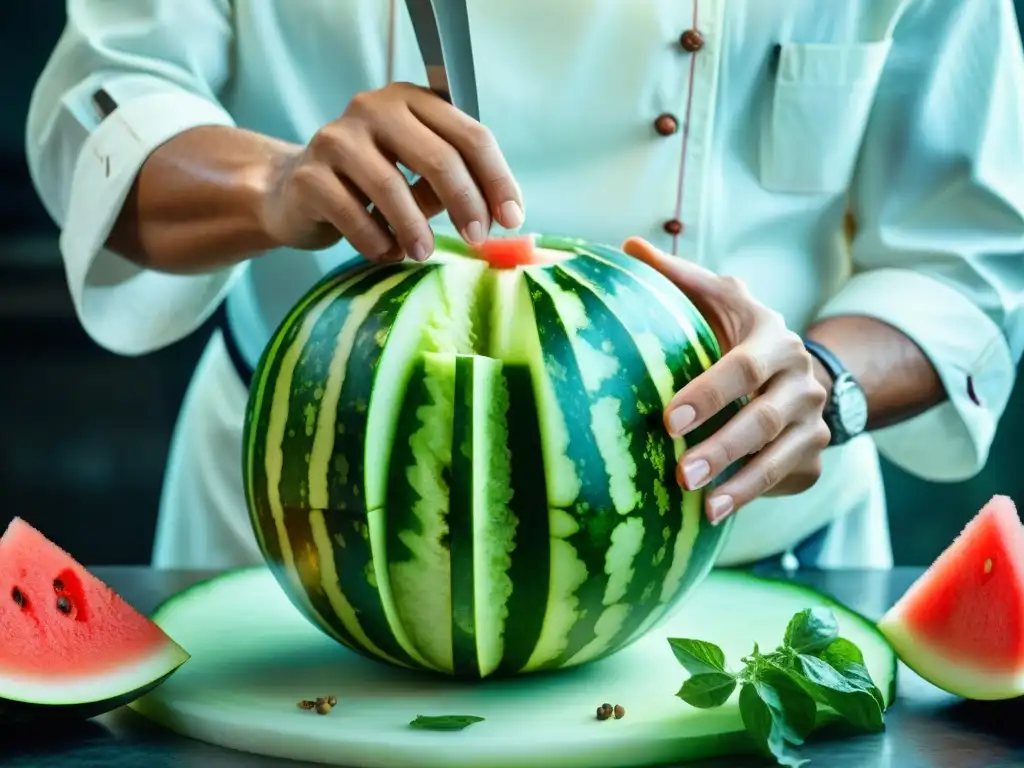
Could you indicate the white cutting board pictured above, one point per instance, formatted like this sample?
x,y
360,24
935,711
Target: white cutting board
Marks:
x,y
254,657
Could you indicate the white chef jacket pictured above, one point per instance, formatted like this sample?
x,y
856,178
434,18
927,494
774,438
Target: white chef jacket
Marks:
x,y
779,119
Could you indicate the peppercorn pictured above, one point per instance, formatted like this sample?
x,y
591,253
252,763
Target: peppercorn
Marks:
x,y
306,704
619,711
322,707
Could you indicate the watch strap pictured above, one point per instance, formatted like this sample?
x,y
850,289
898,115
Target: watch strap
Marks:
x,y
832,364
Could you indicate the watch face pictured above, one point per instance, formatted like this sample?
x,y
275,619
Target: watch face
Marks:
x,y
851,405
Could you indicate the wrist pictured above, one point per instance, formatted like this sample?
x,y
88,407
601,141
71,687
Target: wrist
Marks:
x,y
262,181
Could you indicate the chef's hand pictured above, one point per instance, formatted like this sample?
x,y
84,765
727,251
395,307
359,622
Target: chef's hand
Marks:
x,y
320,193
781,427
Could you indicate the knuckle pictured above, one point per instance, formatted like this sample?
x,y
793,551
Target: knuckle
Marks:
x,y
364,102
771,473
734,285
479,137
305,180
712,399
750,368
816,394
769,419
820,438
438,161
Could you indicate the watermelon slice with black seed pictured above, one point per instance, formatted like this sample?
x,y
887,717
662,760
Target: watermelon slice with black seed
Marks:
x,y
960,625
71,646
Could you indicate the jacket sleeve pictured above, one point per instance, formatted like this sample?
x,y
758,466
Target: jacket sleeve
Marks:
x,y
162,62
939,204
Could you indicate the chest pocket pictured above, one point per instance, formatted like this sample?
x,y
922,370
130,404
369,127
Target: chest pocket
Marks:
x,y
816,114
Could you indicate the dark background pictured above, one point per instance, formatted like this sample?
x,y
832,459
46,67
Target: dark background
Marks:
x,y
84,433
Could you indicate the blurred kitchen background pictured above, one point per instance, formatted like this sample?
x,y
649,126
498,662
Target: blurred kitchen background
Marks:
x,y
84,433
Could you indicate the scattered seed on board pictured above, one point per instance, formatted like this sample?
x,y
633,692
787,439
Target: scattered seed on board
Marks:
x,y
604,711
322,707
619,711
332,700
306,704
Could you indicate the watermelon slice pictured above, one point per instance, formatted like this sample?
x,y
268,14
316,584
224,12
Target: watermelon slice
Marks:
x,y
960,626
71,646
518,251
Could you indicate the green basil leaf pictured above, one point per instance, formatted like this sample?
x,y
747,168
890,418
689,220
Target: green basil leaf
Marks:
x,y
851,702
708,690
846,659
811,630
697,656
792,707
444,722
764,729
841,652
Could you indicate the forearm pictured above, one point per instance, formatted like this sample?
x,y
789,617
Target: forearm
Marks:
x,y
196,203
899,380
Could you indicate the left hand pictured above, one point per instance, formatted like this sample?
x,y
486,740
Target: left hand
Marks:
x,y
781,427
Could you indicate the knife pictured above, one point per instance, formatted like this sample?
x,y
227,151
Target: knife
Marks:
x,y
442,32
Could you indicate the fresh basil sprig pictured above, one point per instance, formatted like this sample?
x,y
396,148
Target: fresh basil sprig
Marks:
x,y
780,692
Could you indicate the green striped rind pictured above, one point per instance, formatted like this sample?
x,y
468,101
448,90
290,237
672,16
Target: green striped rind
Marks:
x,y
670,342
266,417
466,471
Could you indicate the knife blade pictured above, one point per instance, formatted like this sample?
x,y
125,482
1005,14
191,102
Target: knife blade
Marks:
x,y
442,32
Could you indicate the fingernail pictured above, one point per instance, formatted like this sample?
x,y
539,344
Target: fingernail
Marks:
x,y
473,233
511,214
418,252
681,418
719,508
695,473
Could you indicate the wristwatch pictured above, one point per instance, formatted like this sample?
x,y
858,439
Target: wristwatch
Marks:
x,y
846,412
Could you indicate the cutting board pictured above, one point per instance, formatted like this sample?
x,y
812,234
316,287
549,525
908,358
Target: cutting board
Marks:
x,y
254,656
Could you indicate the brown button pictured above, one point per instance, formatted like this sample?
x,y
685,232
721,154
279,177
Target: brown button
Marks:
x,y
691,40
666,124
673,226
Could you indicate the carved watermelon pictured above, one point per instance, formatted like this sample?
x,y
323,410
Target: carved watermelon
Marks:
x,y
71,646
961,624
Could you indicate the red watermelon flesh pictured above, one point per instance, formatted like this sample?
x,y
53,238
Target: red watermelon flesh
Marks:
x,y
520,251
961,623
69,641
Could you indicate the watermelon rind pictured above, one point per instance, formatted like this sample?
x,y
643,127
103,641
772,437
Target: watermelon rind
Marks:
x,y
736,609
29,697
954,676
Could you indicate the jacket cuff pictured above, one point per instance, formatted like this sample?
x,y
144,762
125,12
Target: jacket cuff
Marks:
x,y
126,308
951,441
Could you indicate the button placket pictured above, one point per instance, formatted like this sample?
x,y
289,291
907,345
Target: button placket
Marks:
x,y
697,127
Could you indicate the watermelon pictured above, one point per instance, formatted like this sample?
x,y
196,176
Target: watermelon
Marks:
x,y
71,646
512,252
960,625
463,468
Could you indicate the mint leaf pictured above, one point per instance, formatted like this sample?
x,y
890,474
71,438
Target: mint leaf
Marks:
x,y
765,731
846,659
697,656
707,690
853,703
444,722
811,630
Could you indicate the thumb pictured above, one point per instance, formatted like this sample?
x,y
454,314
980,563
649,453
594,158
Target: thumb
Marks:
x,y
689,277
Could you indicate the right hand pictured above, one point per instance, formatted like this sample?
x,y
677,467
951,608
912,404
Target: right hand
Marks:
x,y
320,194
